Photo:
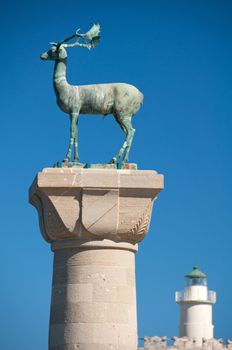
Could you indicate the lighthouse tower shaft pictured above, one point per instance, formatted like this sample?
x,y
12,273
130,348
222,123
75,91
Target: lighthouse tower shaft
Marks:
x,y
196,303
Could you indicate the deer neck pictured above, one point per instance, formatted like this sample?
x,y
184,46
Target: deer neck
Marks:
x,y
59,76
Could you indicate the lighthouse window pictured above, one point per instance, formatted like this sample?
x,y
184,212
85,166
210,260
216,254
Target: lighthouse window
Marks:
x,y
196,281
199,282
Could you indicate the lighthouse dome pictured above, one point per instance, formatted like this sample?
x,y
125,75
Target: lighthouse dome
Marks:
x,y
196,277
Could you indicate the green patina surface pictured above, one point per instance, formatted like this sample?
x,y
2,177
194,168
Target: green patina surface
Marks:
x,y
119,99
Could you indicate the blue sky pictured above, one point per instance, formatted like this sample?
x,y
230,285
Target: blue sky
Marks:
x,y
179,54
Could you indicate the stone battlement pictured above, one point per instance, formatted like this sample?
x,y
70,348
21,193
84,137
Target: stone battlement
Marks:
x,y
160,343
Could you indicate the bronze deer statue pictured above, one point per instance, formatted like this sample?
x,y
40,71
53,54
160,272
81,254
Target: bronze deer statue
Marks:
x,y
120,99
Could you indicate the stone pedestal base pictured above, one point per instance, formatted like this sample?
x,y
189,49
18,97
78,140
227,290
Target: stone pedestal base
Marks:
x,y
93,296
94,219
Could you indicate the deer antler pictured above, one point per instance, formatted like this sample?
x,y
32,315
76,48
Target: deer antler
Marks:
x,y
92,36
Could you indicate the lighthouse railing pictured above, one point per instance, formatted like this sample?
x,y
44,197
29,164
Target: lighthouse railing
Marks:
x,y
184,295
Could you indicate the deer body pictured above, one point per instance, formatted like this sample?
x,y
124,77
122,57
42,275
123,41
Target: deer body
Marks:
x,y
120,99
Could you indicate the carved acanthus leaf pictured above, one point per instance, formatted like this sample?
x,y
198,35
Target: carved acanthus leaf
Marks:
x,y
140,229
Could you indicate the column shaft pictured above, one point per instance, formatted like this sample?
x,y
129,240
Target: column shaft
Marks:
x,y
93,299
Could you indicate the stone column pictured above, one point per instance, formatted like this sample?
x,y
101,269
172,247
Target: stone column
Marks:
x,y
94,219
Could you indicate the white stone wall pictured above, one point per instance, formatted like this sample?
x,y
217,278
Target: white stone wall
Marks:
x,y
196,321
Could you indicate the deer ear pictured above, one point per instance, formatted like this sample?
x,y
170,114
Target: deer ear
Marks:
x,y
62,53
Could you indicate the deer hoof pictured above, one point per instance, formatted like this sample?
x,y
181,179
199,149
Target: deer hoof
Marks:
x,y
113,161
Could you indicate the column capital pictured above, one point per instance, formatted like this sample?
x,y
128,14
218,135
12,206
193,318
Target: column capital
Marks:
x,y
95,204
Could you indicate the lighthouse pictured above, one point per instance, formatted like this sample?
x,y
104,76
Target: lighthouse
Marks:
x,y
196,303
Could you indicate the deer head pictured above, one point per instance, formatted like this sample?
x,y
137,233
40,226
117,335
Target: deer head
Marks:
x,y
55,53
88,40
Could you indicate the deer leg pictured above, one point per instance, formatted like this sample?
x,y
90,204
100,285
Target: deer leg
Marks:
x,y
120,152
122,149
76,155
129,139
126,126
73,126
